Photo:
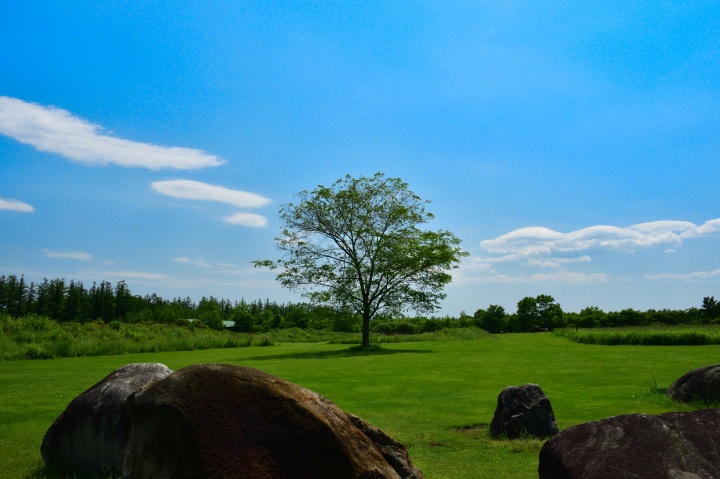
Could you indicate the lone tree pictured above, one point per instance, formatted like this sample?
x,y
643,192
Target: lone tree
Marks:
x,y
356,245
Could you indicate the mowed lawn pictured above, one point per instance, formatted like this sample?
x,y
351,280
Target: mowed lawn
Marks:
x,y
437,398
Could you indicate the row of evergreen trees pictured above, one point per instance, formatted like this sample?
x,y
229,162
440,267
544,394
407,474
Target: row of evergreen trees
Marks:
x,y
72,301
64,301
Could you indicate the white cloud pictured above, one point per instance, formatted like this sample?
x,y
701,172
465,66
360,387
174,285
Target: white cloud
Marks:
x,y
15,205
539,241
137,275
557,262
689,277
68,255
195,190
57,131
196,262
572,277
474,264
246,219
504,259
237,271
710,227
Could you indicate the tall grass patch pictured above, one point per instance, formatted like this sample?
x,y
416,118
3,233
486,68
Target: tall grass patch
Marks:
x,y
684,335
37,337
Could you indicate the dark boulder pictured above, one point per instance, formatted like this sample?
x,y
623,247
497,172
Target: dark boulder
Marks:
x,y
523,411
669,446
702,384
220,421
89,437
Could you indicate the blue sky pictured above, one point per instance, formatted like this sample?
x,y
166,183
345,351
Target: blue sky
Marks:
x,y
574,147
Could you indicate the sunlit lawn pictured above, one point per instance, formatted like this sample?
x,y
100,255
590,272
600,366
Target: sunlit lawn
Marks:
x,y
437,398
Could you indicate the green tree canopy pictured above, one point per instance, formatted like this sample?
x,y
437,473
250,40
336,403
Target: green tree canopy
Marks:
x,y
711,307
540,311
494,319
357,244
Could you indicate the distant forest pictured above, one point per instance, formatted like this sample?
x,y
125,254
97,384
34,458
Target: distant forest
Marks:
x,y
72,301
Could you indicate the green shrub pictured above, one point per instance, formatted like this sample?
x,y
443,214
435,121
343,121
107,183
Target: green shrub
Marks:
x,y
263,341
35,351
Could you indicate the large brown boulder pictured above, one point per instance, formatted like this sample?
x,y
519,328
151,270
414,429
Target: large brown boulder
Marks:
x,y
702,384
89,437
221,421
523,411
669,446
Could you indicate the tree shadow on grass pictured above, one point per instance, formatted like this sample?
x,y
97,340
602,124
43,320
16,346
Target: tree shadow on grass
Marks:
x,y
355,351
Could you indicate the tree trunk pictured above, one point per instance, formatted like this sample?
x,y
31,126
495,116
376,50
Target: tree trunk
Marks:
x,y
366,330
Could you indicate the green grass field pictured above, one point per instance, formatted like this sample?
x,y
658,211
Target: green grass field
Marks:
x,y
437,398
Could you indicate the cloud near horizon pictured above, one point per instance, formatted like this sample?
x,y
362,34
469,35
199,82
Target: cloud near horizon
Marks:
x,y
225,269
196,262
15,205
140,275
538,241
54,130
507,257
68,255
688,277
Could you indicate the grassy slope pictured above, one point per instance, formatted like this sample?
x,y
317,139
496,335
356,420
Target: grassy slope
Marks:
x,y
434,397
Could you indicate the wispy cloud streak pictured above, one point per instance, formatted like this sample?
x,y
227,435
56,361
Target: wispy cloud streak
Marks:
x,y
246,219
141,275
68,255
688,277
15,205
196,262
506,259
540,241
196,190
54,130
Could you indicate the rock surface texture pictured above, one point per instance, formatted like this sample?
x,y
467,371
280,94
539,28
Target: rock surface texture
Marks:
x,y
89,437
221,421
669,446
702,384
523,411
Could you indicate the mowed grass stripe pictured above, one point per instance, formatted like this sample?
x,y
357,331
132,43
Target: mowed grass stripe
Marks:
x,y
435,397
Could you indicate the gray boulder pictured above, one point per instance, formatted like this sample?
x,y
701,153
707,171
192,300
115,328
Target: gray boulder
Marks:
x,y
702,384
89,437
523,411
668,446
221,421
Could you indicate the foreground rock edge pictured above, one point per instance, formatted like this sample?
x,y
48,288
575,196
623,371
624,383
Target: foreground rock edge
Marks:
x,y
219,420
667,446
89,436
701,384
